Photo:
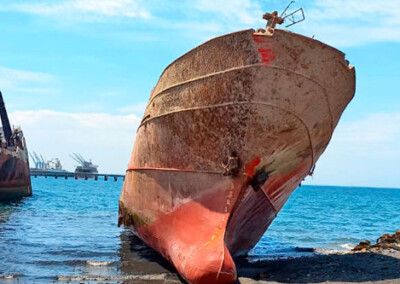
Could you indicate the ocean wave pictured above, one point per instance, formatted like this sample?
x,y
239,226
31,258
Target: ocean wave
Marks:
x,y
348,246
98,263
341,249
10,276
296,252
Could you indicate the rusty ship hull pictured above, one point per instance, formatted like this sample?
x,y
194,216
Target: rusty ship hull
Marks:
x,y
231,129
15,181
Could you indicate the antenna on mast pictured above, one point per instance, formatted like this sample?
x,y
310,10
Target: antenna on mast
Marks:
x,y
293,17
287,7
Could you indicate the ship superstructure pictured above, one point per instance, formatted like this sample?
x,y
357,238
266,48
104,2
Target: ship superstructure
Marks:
x,y
86,168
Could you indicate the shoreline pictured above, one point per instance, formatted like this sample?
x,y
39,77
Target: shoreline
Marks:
x,y
364,267
375,265
365,263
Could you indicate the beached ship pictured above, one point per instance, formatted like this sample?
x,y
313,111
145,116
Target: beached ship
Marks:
x,y
86,169
15,181
231,129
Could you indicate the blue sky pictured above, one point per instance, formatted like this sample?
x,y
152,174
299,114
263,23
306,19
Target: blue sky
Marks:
x,y
76,74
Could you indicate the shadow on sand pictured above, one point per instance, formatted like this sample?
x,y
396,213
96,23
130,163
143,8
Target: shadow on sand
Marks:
x,y
137,258
356,268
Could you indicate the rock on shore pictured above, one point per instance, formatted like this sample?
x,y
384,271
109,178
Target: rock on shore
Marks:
x,y
385,242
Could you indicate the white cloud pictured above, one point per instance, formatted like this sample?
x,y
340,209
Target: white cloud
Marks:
x,y
374,131
365,10
352,23
242,11
12,77
364,152
21,81
106,139
83,9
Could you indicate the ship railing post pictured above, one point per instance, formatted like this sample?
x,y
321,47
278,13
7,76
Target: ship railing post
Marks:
x,y
105,178
115,178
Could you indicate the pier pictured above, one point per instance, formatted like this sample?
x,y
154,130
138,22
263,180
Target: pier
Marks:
x,y
66,175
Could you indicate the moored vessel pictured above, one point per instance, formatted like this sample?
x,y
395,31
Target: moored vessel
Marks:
x,y
15,179
86,169
231,129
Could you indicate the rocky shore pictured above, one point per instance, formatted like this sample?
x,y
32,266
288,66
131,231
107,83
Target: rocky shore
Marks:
x,y
385,242
366,263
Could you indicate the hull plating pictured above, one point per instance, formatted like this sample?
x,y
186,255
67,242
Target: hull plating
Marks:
x,y
14,174
234,107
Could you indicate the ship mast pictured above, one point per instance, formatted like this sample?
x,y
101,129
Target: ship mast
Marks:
x,y
290,19
5,122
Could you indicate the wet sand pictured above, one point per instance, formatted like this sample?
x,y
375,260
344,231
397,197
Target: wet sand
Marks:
x,y
367,267
379,266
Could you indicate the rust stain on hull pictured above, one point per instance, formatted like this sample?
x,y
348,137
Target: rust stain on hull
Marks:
x,y
14,174
15,179
231,129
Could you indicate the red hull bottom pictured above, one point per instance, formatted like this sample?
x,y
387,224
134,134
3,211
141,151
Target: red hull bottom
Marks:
x,y
193,235
199,235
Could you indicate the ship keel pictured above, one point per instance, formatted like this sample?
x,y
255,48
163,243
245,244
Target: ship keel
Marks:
x,y
192,235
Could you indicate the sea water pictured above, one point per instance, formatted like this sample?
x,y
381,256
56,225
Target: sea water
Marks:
x,y
68,229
